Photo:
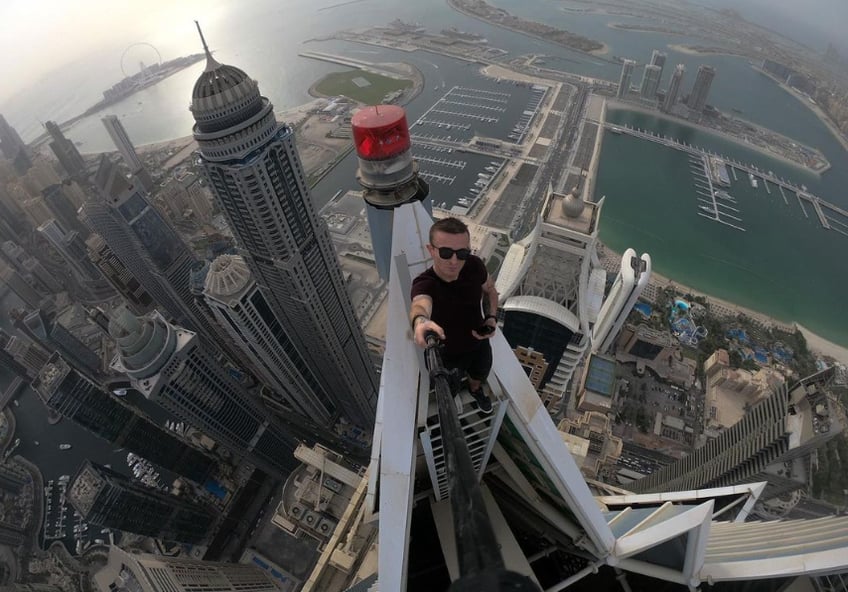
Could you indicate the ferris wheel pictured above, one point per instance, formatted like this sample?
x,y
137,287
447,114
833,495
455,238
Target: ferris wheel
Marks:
x,y
141,51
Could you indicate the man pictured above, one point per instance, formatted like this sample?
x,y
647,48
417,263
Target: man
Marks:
x,y
447,299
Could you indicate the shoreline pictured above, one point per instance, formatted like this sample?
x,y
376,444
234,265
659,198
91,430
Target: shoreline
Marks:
x,y
815,342
616,104
805,100
687,50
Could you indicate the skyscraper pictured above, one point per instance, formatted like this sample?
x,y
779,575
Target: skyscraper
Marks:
x,y
15,282
169,365
547,283
72,249
650,82
75,397
658,59
155,254
125,146
625,78
143,572
64,210
252,165
11,359
239,306
625,291
107,498
54,337
674,88
66,153
119,275
13,147
701,88
780,428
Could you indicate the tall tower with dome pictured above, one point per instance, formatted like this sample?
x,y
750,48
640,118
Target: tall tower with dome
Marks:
x,y
253,168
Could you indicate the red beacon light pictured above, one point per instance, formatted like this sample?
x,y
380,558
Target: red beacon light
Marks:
x,y
387,171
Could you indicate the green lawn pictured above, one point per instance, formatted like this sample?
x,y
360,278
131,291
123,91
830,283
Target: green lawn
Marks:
x,y
341,83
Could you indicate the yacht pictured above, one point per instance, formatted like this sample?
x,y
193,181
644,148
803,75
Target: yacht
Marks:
x,y
64,446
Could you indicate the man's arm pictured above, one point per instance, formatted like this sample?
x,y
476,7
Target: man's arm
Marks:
x,y
490,297
419,316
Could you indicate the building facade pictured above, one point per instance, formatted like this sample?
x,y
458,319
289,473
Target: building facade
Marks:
x,y
107,498
170,366
650,82
125,146
701,88
75,397
143,572
625,78
66,153
253,167
777,430
673,92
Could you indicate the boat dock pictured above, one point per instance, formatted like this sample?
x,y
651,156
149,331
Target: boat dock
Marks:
x,y
709,206
831,216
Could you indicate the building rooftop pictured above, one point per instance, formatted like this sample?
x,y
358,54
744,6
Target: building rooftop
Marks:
x,y
565,211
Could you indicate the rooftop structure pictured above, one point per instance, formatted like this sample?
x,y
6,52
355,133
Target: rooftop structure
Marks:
x,y
145,572
108,499
531,484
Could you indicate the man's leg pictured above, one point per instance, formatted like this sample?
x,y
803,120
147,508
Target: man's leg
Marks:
x,y
478,371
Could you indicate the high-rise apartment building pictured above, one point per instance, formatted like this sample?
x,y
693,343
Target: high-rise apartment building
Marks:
x,y
125,146
673,92
701,88
118,275
650,82
143,572
658,58
154,253
66,153
625,79
10,278
70,245
108,499
9,360
13,147
633,277
251,163
45,330
64,210
241,307
170,366
75,397
552,289
780,428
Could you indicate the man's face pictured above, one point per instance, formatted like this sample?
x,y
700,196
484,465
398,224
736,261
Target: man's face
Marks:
x,y
448,269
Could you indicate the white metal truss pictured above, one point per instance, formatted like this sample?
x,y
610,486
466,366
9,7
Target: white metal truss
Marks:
x,y
684,537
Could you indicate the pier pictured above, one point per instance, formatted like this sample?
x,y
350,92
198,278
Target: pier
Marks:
x,y
708,205
828,213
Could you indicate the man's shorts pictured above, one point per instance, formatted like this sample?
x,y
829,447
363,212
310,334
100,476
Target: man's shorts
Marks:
x,y
476,364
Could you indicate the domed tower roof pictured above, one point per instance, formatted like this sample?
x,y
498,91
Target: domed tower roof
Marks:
x,y
572,205
223,95
231,117
227,277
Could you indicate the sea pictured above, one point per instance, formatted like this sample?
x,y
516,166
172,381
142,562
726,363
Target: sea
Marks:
x,y
784,265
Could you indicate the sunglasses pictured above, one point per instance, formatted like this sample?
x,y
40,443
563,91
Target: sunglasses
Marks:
x,y
446,253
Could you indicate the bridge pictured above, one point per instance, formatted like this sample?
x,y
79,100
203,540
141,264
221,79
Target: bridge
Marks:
x,y
820,206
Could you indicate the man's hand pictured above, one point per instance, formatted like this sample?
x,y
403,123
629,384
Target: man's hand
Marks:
x,y
490,322
421,329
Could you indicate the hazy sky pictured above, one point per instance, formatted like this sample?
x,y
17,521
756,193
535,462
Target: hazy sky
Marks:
x,y
38,36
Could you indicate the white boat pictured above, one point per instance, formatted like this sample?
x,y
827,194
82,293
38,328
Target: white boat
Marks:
x,y
707,209
64,446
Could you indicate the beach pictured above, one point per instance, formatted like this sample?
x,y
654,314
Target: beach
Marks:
x,y
817,344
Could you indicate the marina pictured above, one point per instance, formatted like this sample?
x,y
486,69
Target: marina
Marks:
x,y
830,216
714,204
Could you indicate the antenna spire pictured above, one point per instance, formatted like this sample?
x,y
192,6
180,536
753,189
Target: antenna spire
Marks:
x,y
211,64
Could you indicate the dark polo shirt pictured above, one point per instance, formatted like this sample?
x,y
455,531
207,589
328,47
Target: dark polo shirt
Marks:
x,y
456,305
